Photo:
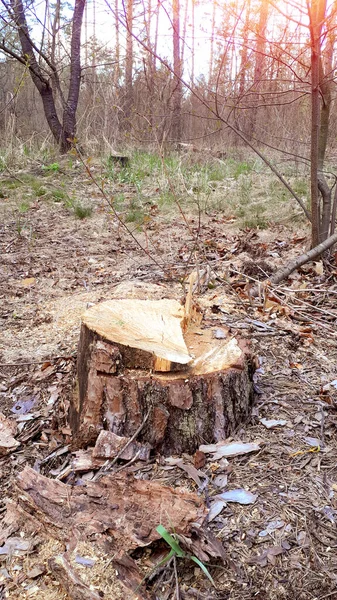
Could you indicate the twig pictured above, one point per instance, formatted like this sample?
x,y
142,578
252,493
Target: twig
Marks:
x,y
322,426
14,176
38,362
129,463
110,463
176,577
285,271
110,203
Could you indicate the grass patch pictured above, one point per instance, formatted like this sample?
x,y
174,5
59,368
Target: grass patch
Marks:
x,y
58,195
301,187
135,216
11,184
24,206
82,211
255,218
52,168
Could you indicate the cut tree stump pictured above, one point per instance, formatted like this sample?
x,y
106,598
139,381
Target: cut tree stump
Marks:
x,y
153,361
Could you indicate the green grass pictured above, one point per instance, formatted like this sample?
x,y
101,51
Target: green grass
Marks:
x,y
58,195
134,216
301,187
82,211
52,168
11,184
24,206
255,218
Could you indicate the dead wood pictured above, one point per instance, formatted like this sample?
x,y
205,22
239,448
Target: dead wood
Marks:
x,y
70,581
135,358
131,577
285,271
117,512
110,445
8,429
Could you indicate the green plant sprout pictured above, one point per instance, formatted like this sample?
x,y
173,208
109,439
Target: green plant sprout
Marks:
x,y
54,167
178,552
175,552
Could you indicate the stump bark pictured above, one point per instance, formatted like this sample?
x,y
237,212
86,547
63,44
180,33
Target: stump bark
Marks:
x,y
140,358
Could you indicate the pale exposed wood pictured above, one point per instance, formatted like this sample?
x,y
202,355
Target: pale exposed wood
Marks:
x,y
153,327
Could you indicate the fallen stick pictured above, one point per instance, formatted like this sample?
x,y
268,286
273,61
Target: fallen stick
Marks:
x,y
70,581
285,271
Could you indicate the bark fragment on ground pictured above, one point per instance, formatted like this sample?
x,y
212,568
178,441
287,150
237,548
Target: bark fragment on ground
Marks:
x,y
70,581
117,511
122,382
8,429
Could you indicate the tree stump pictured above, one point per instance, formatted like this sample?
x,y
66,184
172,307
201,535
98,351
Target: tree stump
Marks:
x,y
143,358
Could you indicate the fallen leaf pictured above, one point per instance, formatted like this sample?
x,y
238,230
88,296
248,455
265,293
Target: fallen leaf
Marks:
x,y
28,281
215,510
84,561
240,496
15,544
192,472
24,406
271,527
221,480
270,423
199,459
314,442
189,469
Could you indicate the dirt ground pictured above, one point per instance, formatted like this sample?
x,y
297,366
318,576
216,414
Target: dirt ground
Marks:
x,y
54,265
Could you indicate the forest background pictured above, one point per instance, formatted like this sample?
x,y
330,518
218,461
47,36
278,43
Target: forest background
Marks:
x,y
139,75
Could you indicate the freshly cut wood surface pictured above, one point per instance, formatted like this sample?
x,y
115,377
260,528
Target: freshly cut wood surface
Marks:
x,y
157,358
152,326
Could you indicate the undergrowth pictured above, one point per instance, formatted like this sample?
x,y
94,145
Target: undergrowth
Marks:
x,y
239,185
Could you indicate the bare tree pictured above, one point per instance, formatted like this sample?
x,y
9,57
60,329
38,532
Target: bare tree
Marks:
x,y
128,64
43,69
177,69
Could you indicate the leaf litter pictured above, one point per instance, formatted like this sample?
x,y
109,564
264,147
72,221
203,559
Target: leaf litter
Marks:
x,y
284,542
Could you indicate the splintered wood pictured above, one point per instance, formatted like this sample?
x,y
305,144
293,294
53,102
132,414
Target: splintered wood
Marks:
x,y
147,332
156,358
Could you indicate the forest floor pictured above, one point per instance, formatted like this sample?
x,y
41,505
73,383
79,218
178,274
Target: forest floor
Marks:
x,y
63,249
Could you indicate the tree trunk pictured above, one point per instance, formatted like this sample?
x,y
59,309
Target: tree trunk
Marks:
x,y
128,66
317,13
259,62
64,132
135,359
326,74
69,114
40,81
177,67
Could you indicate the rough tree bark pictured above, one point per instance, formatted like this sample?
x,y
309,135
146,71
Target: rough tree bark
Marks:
x,y
317,14
133,360
69,114
128,65
64,129
177,94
